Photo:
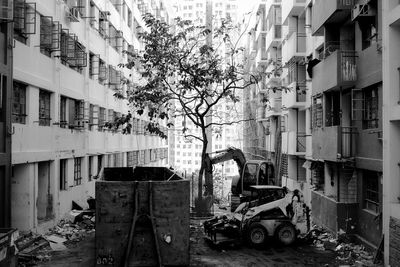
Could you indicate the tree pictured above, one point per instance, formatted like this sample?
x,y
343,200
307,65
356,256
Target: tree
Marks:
x,y
184,76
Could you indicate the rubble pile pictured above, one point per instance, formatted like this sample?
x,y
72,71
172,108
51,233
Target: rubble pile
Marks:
x,y
347,252
34,248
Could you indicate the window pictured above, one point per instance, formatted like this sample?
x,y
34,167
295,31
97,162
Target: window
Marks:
x,y
102,118
63,174
141,157
94,69
73,53
63,112
77,171
283,124
90,168
129,18
114,76
99,164
71,113
19,103
132,158
317,112
50,35
103,71
24,20
3,89
371,117
93,116
115,38
371,190
44,108
332,108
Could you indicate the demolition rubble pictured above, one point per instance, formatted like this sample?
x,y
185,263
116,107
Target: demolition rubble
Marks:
x,y
34,248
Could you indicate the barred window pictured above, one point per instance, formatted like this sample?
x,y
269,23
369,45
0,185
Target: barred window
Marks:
x,y
19,103
63,174
44,108
371,191
317,112
371,118
77,171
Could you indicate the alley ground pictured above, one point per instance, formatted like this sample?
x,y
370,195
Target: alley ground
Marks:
x,y
202,254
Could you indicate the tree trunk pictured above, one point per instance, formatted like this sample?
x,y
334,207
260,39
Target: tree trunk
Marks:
x,y
204,202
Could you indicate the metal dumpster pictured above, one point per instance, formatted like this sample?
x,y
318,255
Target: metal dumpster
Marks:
x,y
142,218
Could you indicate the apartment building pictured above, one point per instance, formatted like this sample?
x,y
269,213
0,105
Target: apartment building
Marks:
x,y
6,16
186,152
320,107
66,72
391,131
347,116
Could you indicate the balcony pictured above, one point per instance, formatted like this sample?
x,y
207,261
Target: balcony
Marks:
x,y
294,143
330,11
335,143
338,68
294,47
270,142
296,96
292,8
274,36
334,215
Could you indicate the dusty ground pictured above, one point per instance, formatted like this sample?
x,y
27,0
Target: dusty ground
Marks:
x,y
201,254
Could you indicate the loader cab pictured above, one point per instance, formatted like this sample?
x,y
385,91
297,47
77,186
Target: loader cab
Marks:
x,y
255,172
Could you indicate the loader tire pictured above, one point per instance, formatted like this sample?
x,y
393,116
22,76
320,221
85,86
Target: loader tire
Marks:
x,y
256,235
286,234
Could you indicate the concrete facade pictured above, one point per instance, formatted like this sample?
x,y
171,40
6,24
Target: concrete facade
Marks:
x,y
391,130
323,122
65,76
5,113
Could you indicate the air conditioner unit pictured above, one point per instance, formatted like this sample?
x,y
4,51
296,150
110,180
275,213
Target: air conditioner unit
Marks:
x,y
362,11
73,14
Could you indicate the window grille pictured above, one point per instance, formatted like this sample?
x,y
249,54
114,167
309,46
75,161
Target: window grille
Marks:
x,y
317,112
24,18
102,118
94,65
6,10
371,116
72,52
19,103
371,191
114,76
142,157
103,23
77,171
44,108
103,71
63,112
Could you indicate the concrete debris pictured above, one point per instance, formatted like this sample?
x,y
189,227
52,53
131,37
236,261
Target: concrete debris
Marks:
x,y
348,253
34,248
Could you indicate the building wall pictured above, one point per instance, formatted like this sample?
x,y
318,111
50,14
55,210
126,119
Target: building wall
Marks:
x,y
391,130
5,120
41,198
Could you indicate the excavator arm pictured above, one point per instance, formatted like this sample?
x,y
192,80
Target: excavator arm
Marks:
x,y
230,153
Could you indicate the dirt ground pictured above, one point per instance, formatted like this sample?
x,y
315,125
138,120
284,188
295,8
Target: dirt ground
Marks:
x,y
202,254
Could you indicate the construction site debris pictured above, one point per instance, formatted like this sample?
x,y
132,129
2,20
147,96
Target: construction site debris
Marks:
x,y
347,252
34,248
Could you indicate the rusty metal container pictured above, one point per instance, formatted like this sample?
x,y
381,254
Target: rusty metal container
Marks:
x,y
142,218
